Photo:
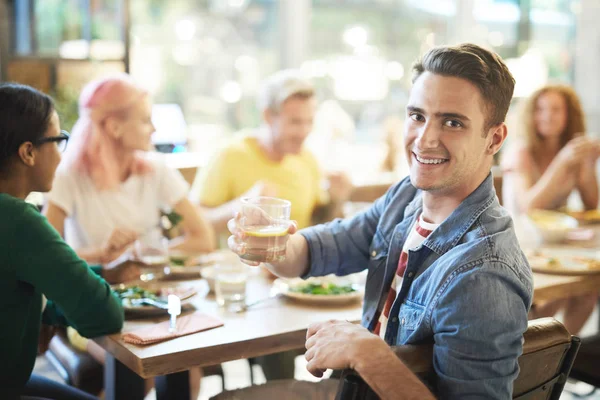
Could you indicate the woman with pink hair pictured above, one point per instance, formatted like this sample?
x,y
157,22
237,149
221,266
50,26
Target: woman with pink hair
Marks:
x,y
109,188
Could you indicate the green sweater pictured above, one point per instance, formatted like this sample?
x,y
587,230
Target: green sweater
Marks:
x,y
34,260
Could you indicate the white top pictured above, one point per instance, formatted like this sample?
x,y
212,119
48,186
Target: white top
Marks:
x,y
92,214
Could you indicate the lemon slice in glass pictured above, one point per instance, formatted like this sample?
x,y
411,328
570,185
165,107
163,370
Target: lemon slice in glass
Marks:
x,y
266,231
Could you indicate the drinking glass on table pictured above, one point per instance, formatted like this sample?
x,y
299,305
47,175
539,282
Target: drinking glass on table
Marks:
x,y
265,222
152,248
230,284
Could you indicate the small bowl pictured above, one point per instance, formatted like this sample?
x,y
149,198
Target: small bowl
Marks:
x,y
552,226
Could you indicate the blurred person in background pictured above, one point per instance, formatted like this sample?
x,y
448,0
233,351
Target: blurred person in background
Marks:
x,y
555,159
110,189
272,161
43,280
333,138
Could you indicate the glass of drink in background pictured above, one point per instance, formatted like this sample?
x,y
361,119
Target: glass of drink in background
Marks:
x,y
230,284
152,248
265,222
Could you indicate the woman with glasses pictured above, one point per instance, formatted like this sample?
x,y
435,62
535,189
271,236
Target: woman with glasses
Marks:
x,y
110,188
43,279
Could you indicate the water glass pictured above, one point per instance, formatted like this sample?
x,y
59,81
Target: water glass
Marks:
x,y
152,248
230,285
265,222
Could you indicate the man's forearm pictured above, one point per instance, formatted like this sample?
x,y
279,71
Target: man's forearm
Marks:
x,y
297,258
387,375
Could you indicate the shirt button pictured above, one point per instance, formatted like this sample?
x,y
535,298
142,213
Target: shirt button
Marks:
x,y
410,274
373,253
403,321
395,319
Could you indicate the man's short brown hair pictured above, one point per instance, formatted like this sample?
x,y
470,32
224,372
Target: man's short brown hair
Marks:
x,y
484,69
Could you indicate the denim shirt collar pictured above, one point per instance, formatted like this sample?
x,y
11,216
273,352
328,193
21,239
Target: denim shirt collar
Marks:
x,y
449,233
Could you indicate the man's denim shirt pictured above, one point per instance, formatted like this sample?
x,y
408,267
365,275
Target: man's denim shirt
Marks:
x,y
467,288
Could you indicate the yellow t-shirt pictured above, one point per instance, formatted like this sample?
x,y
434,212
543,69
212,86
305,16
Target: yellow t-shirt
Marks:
x,y
242,163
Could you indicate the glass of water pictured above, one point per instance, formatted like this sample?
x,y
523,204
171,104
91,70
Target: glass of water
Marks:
x,y
152,248
230,285
265,223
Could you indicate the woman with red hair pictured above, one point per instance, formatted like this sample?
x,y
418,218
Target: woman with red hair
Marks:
x,y
109,188
555,159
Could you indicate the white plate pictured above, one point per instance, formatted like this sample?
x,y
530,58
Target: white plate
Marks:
x,y
284,286
188,292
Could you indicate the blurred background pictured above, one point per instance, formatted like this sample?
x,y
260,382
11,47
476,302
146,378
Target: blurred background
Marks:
x,y
203,60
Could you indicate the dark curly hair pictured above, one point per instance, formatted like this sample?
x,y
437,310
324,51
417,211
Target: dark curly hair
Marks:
x,y
25,115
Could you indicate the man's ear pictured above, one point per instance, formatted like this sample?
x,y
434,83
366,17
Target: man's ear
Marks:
x,y
497,135
27,154
268,116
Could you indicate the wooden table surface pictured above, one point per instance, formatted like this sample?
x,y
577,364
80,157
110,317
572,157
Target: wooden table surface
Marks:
x,y
278,324
550,287
275,325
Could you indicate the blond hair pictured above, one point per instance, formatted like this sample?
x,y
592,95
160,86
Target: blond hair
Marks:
x,y
282,86
575,118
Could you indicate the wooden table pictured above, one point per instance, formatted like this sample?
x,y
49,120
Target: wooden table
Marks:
x,y
551,287
273,326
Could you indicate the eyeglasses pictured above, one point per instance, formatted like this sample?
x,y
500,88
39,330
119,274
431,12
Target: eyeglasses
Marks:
x,y
61,140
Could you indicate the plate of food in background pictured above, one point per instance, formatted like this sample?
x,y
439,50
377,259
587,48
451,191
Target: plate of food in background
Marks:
x,y
186,266
323,290
552,226
586,217
564,261
142,299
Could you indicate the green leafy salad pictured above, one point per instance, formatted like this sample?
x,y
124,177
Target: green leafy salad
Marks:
x,y
134,292
323,289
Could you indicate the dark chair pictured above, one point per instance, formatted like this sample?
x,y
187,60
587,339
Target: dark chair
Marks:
x,y
587,364
548,354
79,369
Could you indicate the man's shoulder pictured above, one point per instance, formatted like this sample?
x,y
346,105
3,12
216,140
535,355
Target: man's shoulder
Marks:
x,y
490,245
243,143
404,188
400,196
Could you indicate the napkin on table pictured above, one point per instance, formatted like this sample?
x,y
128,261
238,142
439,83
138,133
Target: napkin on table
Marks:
x,y
186,325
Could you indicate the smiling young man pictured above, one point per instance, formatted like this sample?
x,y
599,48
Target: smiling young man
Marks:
x,y
444,263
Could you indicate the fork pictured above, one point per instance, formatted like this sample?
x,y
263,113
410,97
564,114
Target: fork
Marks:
x,y
246,306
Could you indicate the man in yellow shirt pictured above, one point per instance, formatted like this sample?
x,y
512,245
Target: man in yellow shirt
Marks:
x,y
272,161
